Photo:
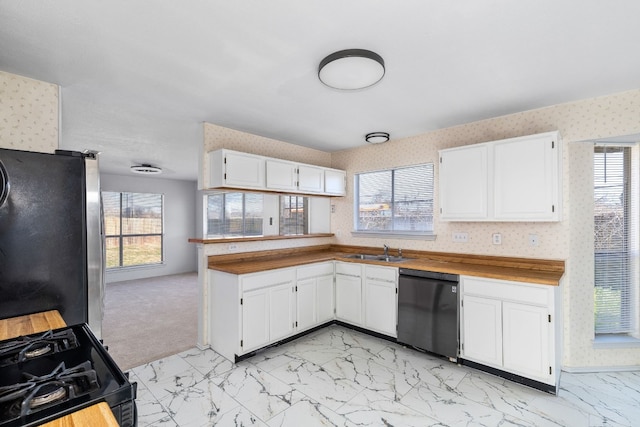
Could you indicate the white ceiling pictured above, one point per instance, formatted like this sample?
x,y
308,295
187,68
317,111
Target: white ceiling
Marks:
x,y
138,77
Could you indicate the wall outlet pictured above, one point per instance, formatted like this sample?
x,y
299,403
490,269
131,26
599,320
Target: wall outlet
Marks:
x,y
460,237
533,240
496,238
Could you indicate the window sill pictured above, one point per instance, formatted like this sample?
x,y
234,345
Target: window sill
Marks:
x,y
615,341
259,238
396,235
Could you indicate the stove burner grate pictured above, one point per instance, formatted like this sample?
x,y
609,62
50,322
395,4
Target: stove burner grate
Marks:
x,y
38,392
30,347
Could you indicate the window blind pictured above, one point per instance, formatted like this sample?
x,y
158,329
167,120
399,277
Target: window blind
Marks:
x,y
395,200
613,281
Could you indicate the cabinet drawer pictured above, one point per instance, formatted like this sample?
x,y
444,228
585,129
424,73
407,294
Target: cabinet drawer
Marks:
x,y
267,278
349,269
507,291
314,270
386,274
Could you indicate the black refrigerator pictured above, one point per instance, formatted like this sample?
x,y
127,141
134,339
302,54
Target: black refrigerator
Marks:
x,y
51,240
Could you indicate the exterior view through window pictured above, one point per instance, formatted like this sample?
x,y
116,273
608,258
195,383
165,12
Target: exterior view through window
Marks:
x,y
616,240
395,200
294,215
234,214
133,228
238,214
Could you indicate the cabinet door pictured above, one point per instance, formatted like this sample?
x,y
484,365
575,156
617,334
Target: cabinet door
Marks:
x,y
281,305
349,299
526,179
244,170
381,307
255,319
464,183
281,175
525,340
482,330
335,182
310,179
306,313
325,298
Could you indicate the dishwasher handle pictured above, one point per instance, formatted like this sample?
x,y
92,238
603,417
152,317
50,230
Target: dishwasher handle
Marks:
x,y
445,277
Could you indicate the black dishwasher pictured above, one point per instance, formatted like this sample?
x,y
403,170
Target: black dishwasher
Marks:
x,y
428,311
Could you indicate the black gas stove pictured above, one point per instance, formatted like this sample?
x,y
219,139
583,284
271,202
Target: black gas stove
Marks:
x,y
48,375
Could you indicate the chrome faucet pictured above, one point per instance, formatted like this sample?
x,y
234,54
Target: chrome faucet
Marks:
x,y
386,250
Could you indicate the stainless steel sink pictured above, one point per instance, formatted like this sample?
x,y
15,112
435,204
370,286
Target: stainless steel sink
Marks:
x,y
377,257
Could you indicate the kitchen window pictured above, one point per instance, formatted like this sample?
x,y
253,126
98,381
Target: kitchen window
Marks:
x,y
294,215
234,214
396,202
616,241
133,225
237,214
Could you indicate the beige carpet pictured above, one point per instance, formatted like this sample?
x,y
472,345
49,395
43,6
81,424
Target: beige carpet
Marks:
x,y
148,319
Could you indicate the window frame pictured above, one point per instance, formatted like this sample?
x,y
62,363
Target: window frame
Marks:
x,y
121,236
224,195
605,330
402,234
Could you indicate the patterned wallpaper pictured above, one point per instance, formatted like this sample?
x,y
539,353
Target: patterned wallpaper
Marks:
x,y
570,240
28,114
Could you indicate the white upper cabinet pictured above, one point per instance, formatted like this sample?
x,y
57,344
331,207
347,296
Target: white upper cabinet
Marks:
x,y
282,175
310,179
237,170
233,169
335,182
516,179
526,178
464,183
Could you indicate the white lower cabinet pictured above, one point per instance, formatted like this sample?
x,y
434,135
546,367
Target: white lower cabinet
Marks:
x,y
267,306
526,333
267,315
482,327
381,299
511,326
255,318
349,293
314,295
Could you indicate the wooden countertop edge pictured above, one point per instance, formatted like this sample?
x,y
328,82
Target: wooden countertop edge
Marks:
x,y
258,238
28,324
98,415
544,272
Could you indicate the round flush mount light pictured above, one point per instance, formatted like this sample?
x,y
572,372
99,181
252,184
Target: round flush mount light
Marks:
x,y
146,169
351,69
377,137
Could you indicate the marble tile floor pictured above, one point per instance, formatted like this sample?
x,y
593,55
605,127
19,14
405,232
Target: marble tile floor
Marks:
x,y
340,377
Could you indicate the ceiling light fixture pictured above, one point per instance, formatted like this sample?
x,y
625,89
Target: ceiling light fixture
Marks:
x,y
146,169
377,137
351,69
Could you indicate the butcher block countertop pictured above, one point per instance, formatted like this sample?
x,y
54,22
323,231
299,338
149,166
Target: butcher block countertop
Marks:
x,y
539,271
96,415
30,324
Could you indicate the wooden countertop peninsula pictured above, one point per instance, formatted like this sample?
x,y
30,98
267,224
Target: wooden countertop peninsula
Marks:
x,y
532,270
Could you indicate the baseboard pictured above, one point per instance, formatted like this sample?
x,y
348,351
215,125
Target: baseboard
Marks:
x,y
596,369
